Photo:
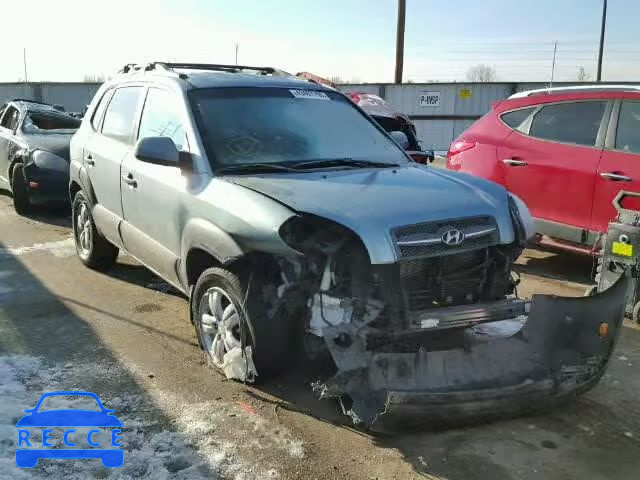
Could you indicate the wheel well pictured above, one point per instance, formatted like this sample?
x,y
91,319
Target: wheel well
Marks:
x,y
73,189
16,160
197,262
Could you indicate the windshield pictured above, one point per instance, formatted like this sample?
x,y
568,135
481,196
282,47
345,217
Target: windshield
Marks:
x,y
279,125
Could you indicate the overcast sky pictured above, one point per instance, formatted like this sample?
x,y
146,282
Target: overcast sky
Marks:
x,y
353,39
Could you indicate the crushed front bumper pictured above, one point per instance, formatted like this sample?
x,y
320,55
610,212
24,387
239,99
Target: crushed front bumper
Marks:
x,y
561,350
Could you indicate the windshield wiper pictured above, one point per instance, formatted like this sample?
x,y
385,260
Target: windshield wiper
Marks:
x,y
255,167
340,162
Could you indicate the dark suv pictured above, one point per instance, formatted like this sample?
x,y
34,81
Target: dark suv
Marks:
x,y
294,223
34,152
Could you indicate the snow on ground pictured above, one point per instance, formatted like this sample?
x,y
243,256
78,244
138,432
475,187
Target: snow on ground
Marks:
x,y
59,248
206,440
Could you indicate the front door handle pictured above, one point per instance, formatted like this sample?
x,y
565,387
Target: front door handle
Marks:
x,y
615,177
129,180
512,162
90,160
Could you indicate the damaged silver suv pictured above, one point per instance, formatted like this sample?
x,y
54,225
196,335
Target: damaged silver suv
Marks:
x,y
296,225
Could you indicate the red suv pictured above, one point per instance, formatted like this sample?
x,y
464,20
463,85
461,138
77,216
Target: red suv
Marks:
x,y
566,152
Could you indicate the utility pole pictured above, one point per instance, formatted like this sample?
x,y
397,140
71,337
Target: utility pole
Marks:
x,y
604,21
237,53
402,8
24,61
553,63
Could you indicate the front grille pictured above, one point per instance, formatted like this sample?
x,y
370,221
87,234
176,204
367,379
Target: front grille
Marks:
x,y
433,282
430,233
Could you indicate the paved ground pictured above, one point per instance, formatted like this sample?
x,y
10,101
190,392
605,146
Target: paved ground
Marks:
x,y
126,336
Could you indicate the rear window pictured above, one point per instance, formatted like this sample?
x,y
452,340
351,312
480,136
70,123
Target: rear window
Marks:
x,y
99,112
120,116
569,122
628,131
515,118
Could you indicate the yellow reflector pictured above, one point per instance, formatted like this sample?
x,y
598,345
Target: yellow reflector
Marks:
x,y
624,249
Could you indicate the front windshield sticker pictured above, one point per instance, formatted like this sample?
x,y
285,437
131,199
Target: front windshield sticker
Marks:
x,y
312,94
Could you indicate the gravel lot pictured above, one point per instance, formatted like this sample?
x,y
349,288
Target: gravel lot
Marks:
x,y
126,336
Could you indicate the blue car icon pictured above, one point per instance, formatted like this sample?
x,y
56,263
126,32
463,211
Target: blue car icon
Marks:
x,y
28,458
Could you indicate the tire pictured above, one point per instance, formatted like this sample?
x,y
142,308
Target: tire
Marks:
x,y
271,339
93,249
21,202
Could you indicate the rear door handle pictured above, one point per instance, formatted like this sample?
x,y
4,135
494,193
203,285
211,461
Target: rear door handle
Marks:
x,y
129,180
512,162
615,177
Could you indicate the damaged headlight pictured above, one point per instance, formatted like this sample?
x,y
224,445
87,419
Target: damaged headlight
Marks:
x,y
307,232
522,218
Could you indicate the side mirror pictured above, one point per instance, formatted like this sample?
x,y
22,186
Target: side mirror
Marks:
x,y
400,138
422,157
162,151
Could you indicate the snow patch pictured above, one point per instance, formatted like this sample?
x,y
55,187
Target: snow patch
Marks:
x,y
59,248
206,440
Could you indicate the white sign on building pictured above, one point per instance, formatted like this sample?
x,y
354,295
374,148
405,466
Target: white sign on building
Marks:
x,y
429,99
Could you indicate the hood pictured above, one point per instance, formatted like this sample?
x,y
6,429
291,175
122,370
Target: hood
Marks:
x,y
56,143
372,201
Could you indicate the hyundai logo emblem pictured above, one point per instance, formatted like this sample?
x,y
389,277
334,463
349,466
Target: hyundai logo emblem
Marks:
x,y
452,237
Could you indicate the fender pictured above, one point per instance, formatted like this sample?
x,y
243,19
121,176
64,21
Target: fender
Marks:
x,y
204,235
82,179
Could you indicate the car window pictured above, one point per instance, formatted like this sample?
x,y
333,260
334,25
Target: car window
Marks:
x,y
515,118
99,112
628,131
10,118
120,116
160,118
569,122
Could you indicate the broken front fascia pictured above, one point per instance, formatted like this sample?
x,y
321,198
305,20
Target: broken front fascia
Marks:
x,y
561,350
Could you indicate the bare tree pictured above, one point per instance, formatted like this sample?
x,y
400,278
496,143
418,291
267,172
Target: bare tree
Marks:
x,y
337,79
582,75
481,73
93,78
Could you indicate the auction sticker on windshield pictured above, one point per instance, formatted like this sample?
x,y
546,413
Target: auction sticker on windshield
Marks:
x,y
311,94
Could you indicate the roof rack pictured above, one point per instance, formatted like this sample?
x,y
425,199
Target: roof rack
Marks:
x,y
577,89
170,66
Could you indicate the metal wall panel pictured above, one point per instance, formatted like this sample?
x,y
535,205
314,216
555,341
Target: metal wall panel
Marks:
x,y
72,96
406,99
366,88
9,91
476,99
435,134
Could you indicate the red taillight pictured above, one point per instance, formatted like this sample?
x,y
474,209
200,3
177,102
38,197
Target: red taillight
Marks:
x,y
459,147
